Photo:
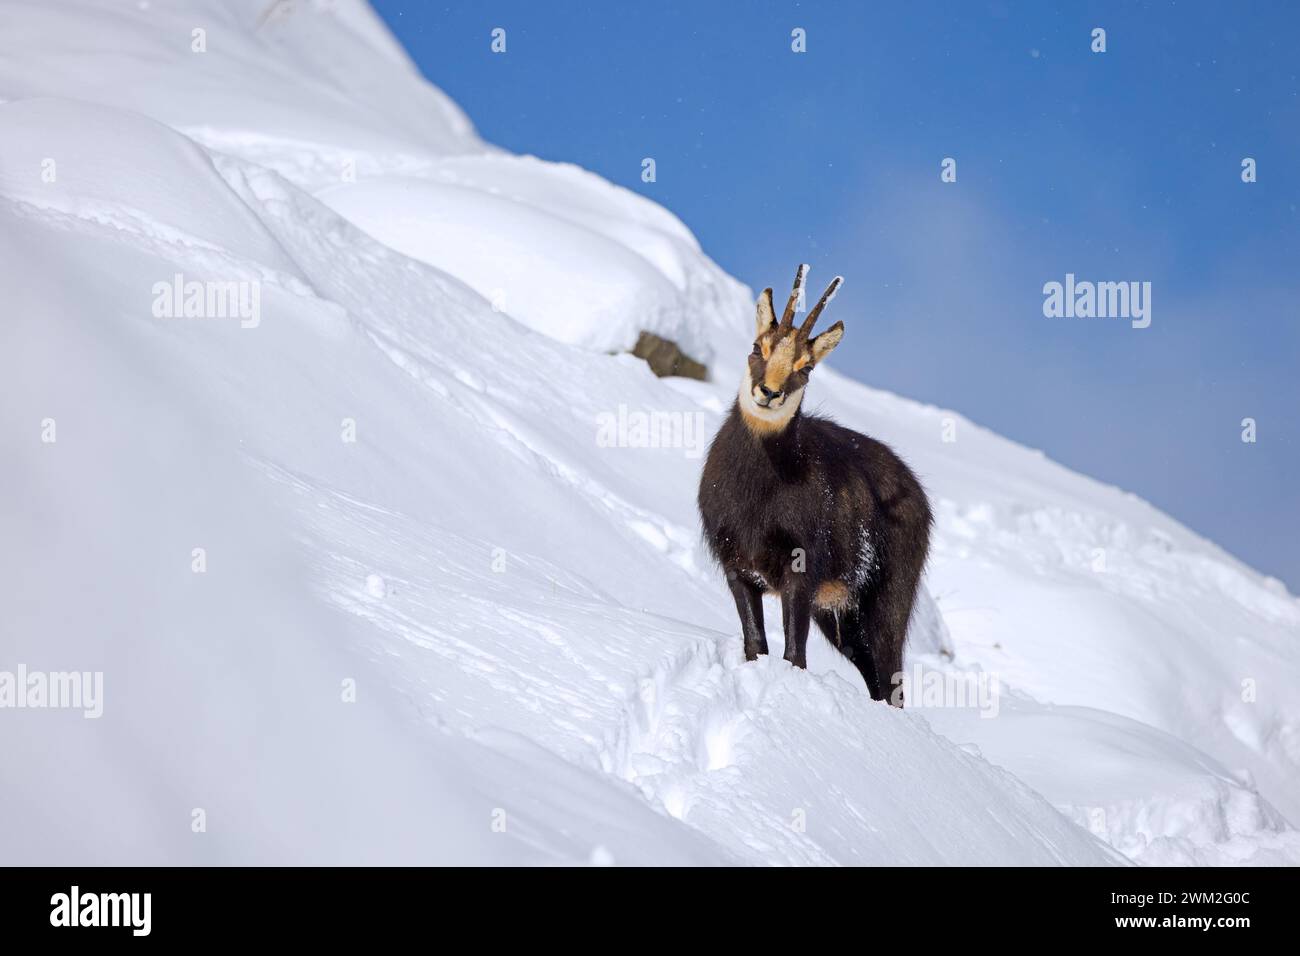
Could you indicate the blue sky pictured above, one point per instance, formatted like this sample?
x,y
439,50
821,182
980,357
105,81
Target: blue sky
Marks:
x,y
1115,166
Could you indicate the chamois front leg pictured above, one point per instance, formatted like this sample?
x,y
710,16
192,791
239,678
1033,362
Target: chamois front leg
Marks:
x,y
749,605
796,614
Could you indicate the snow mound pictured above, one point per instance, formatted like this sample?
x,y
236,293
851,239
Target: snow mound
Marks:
x,y
557,248
320,74
1155,798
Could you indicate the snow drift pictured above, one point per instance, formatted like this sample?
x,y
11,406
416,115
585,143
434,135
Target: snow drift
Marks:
x,y
372,580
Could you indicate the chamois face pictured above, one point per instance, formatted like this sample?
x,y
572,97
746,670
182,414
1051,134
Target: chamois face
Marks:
x,y
783,357
778,368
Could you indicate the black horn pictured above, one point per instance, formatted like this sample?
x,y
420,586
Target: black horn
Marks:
x,y
808,323
787,320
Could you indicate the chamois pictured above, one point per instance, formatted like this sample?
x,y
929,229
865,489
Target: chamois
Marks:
x,y
796,504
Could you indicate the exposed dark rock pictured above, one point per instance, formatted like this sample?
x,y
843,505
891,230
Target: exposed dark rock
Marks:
x,y
665,358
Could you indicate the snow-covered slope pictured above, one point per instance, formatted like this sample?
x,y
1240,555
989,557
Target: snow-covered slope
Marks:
x,y
441,616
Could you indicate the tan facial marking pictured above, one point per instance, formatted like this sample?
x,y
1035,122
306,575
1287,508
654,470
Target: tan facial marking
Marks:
x,y
780,364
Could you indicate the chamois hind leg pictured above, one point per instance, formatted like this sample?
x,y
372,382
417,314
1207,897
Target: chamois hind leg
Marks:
x,y
845,632
885,607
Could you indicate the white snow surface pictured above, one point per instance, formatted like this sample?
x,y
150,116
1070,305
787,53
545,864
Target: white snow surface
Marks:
x,y
437,619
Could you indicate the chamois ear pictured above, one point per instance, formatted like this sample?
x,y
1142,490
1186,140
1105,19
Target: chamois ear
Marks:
x,y
766,314
821,345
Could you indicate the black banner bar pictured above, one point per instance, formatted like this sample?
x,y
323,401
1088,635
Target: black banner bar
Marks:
x,y
335,905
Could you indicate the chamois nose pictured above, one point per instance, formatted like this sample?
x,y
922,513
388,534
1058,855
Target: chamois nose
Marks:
x,y
768,393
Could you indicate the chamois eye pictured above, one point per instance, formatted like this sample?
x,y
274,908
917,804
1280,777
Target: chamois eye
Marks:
x,y
757,350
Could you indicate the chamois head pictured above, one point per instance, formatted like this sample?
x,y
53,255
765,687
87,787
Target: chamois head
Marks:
x,y
784,357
